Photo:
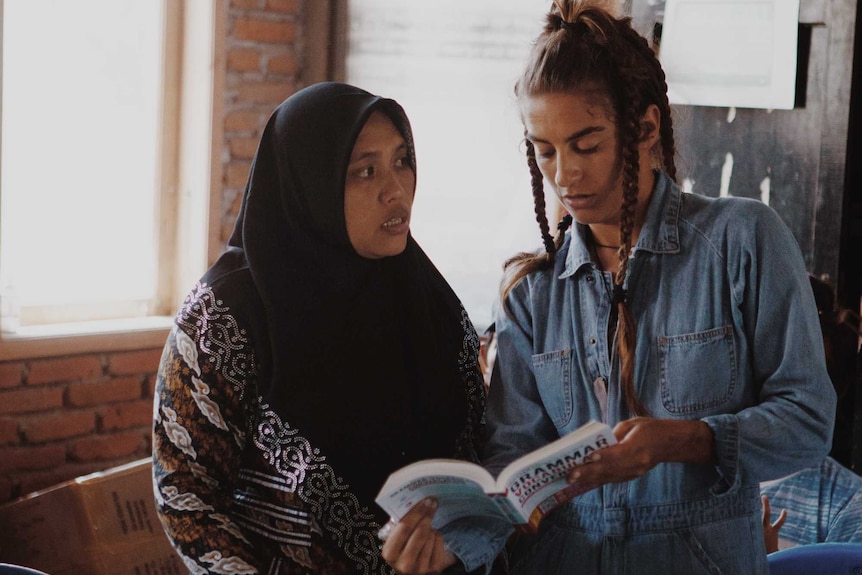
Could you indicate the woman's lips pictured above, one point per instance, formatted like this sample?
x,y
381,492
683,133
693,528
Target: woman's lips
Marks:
x,y
397,225
579,201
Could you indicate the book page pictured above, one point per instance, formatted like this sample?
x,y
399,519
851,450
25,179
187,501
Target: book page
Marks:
x,y
456,497
540,475
459,486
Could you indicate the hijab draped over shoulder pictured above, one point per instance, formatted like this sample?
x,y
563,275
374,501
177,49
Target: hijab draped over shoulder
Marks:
x,y
364,358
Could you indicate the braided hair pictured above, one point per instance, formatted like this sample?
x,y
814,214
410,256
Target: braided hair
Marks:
x,y
583,45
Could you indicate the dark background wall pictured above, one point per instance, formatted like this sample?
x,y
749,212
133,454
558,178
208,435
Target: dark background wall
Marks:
x,y
812,157
805,152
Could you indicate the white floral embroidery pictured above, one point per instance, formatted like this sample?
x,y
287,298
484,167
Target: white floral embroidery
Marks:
x,y
184,501
200,472
468,365
160,501
228,525
157,401
192,566
299,555
177,434
222,346
238,434
187,349
217,335
202,388
207,406
329,499
227,565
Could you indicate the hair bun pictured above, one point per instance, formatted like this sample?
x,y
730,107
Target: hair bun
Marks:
x,y
568,9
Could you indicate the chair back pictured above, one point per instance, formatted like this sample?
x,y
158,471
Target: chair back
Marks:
x,y
817,559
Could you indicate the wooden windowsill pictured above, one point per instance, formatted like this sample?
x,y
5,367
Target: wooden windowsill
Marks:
x,y
85,337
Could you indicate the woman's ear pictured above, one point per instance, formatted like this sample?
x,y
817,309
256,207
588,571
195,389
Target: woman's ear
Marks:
x,y
650,124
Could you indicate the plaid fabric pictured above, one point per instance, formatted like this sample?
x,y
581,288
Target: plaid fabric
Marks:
x,y
823,503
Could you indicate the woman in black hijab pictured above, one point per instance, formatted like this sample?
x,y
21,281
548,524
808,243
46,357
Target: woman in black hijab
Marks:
x,y
322,351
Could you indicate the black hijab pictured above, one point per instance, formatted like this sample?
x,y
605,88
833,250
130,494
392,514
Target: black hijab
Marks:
x,y
362,356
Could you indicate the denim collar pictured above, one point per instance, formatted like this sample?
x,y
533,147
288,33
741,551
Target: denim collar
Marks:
x,y
659,234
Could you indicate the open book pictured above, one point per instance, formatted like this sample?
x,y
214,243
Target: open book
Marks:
x,y
525,490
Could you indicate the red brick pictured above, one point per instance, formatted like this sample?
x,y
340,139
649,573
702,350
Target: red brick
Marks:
x,y
265,92
64,369
146,361
126,415
243,148
245,4
242,60
11,374
8,431
257,30
31,458
243,121
104,391
109,446
283,64
150,388
62,425
236,174
286,6
30,400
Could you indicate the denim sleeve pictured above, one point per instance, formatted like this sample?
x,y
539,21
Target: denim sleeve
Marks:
x,y
516,424
517,421
791,425
476,542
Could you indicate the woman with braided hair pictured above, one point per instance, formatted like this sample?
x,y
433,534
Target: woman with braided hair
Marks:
x,y
687,323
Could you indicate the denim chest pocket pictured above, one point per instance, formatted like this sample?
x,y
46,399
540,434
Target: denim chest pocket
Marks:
x,y
553,372
698,370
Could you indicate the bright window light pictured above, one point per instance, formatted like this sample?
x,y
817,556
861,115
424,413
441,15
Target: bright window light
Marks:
x,y
79,170
453,68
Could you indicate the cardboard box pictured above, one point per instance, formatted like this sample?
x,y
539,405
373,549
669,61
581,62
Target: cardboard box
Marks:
x,y
99,524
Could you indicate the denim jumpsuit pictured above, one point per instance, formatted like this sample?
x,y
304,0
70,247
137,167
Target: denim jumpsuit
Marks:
x,y
727,333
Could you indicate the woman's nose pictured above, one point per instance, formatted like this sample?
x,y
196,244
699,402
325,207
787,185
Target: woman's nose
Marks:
x,y
393,187
567,171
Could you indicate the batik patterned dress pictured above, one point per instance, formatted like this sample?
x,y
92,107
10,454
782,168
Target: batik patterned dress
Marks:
x,y
238,489
299,373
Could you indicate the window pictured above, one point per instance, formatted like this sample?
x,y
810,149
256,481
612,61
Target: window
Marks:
x,y
97,191
453,69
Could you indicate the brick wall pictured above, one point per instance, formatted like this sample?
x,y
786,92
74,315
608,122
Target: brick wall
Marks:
x,y
262,70
61,417
68,416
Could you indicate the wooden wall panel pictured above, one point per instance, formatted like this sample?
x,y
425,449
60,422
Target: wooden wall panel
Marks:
x,y
811,155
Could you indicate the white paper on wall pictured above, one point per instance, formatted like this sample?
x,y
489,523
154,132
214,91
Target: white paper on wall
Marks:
x,y
727,53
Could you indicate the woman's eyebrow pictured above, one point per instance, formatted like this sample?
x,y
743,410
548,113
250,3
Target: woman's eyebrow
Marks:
x,y
375,154
364,156
576,136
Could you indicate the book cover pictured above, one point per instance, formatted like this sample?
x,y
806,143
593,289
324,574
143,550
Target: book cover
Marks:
x,y
524,492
